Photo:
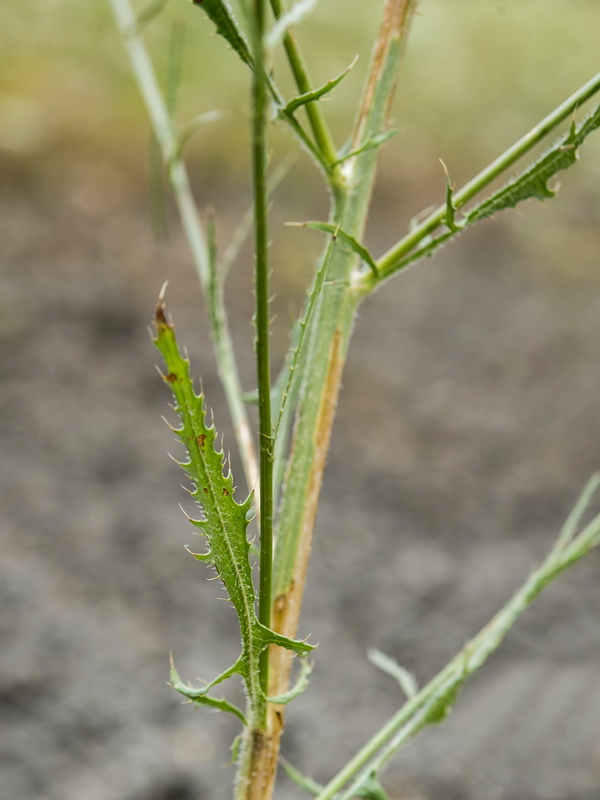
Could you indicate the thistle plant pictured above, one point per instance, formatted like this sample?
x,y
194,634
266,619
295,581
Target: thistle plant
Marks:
x,y
296,411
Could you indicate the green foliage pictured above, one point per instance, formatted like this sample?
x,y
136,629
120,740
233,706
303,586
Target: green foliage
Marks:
x,y
370,143
338,232
534,181
219,12
309,383
315,94
223,523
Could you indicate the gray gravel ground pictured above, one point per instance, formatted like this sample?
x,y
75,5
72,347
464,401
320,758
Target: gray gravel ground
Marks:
x,y
468,423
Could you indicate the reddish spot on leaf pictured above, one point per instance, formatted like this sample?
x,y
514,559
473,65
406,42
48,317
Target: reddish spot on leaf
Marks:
x,y
201,439
225,492
171,377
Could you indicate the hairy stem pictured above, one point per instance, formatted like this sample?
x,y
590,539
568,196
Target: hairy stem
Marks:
x,y
387,263
169,146
263,366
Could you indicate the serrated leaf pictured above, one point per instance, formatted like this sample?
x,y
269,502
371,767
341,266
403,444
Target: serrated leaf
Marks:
x,y
224,522
340,233
308,97
405,679
200,696
300,686
221,15
534,181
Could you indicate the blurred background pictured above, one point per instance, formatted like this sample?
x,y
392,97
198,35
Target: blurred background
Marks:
x,y
474,377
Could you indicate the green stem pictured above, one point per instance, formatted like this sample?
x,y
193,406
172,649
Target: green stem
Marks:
x,y
387,263
259,167
330,329
416,712
301,75
169,145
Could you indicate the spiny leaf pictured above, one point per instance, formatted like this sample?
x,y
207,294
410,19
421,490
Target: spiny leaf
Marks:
x,y
534,181
300,686
369,144
315,94
199,696
221,15
372,789
223,522
337,232
406,679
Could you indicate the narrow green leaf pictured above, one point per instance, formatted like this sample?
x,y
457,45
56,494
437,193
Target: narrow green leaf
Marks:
x,y
369,144
534,181
223,522
199,696
406,679
301,100
221,15
339,233
306,667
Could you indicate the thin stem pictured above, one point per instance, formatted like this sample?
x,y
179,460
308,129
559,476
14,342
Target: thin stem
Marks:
x,y
389,260
299,69
261,199
168,142
414,713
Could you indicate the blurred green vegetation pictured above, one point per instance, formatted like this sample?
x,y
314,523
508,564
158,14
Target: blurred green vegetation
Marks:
x,y
477,75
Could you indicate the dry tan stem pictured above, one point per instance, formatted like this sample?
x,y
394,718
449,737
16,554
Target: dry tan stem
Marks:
x,y
395,26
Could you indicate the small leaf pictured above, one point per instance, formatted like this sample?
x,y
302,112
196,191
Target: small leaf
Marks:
x,y
300,686
302,99
372,789
200,697
339,233
221,15
368,144
269,637
406,679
